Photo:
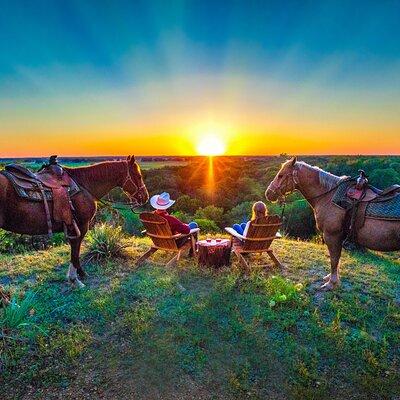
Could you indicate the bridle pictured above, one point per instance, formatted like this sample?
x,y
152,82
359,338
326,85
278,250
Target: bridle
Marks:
x,y
129,179
292,183
289,185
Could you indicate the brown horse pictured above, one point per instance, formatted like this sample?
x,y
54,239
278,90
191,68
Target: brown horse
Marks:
x,y
317,186
21,216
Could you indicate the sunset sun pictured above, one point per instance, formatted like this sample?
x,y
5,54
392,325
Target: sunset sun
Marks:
x,y
210,145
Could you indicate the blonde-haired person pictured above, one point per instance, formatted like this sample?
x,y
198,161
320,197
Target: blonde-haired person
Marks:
x,y
258,213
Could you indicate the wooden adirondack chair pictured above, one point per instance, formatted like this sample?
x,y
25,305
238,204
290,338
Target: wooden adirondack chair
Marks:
x,y
259,237
158,229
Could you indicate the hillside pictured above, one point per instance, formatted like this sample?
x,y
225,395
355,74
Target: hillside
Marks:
x,y
186,332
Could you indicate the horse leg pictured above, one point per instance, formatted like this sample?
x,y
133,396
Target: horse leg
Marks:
x,y
75,268
334,244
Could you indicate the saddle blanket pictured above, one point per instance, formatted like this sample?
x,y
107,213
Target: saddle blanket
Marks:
x,y
387,208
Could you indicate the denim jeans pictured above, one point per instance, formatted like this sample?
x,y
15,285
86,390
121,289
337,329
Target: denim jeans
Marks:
x,y
180,242
239,228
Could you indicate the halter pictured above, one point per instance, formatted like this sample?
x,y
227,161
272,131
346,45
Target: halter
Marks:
x,y
135,203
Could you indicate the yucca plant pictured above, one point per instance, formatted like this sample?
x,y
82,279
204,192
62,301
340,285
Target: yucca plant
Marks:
x,y
18,312
104,241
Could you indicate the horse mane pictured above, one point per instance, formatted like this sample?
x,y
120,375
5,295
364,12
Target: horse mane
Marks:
x,y
107,170
326,179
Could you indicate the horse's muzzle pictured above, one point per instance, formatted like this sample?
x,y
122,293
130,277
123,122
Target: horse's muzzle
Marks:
x,y
271,194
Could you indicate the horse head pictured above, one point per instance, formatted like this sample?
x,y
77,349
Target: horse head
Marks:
x,y
133,185
284,182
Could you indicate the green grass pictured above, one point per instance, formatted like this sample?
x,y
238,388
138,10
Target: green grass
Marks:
x,y
188,332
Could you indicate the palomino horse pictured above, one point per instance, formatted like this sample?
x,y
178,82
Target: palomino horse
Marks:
x,y
26,217
317,186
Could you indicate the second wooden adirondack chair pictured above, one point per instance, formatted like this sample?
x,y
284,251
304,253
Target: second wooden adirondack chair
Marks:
x,y
158,229
259,237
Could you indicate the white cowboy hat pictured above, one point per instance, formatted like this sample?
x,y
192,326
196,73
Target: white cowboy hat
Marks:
x,y
161,201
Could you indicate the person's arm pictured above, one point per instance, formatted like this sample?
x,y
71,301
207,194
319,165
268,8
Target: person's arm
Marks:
x,y
246,229
177,226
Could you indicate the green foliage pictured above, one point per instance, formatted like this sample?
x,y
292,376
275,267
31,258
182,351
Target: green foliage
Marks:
x,y
207,225
131,222
182,216
240,213
18,313
187,204
299,220
212,213
108,215
383,178
104,241
13,243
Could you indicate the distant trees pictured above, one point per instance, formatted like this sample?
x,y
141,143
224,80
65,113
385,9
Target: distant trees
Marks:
x,y
383,177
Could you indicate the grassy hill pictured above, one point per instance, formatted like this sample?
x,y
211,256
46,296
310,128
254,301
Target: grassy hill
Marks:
x,y
187,332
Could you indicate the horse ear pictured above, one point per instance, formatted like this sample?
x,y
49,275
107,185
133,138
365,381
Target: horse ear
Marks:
x,y
128,158
132,160
293,161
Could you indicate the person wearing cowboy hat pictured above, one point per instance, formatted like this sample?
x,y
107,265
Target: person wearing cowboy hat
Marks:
x,y
161,202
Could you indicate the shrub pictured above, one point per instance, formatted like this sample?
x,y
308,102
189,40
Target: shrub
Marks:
x,y
240,213
131,221
13,243
184,217
104,241
212,213
206,225
108,215
299,220
187,204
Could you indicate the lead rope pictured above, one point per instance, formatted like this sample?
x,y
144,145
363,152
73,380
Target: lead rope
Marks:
x,y
283,209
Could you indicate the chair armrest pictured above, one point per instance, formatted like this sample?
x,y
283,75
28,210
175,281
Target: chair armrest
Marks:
x,y
143,232
178,235
232,232
278,235
192,231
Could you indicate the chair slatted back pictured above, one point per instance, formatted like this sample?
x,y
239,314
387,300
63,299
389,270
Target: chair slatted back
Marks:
x,y
158,229
261,233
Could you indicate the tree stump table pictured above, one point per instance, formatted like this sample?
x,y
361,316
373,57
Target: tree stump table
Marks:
x,y
214,252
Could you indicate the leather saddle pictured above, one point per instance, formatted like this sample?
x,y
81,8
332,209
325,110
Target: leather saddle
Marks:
x,y
50,185
362,200
363,191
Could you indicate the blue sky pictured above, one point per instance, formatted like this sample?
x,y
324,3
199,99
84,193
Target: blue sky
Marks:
x,y
55,55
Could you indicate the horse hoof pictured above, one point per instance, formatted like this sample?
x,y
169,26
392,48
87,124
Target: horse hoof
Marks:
x,y
329,285
326,278
76,282
82,274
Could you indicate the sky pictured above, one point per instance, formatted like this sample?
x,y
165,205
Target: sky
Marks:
x,y
155,77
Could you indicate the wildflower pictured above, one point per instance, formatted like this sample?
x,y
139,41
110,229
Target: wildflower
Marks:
x,y
272,303
299,286
282,297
